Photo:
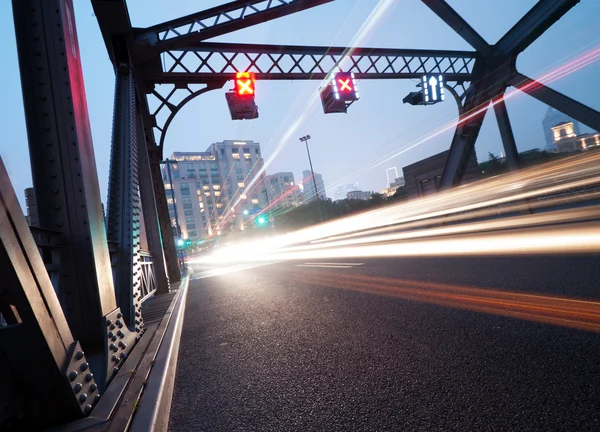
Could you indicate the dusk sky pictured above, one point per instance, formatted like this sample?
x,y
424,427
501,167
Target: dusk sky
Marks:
x,y
342,145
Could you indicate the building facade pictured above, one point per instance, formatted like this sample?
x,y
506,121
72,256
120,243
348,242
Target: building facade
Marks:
x,y
553,118
202,186
423,177
360,195
282,191
566,139
309,186
393,187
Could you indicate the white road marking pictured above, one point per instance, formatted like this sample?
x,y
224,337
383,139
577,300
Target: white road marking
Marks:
x,y
323,266
335,264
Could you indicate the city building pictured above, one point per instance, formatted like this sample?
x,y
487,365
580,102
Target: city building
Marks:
x,y
201,186
553,118
360,195
282,191
309,186
393,187
566,138
341,191
391,174
423,177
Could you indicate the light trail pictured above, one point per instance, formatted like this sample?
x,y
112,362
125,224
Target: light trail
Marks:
x,y
412,228
554,310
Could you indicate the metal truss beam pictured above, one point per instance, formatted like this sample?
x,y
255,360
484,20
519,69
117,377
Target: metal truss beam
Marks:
x,y
218,21
535,22
506,133
207,62
124,208
564,104
43,367
471,116
460,26
65,178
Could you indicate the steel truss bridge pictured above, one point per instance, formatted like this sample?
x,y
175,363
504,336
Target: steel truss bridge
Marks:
x,y
70,301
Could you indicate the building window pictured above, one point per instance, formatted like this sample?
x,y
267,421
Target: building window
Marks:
x,y
207,194
201,205
254,200
216,187
241,184
192,234
191,226
186,199
206,187
563,133
167,186
188,213
219,205
187,206
257,151
217,193
244,196
189,220
223,152
170,201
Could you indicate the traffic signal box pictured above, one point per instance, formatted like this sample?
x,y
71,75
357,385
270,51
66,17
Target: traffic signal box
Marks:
x,y
241,98
339,93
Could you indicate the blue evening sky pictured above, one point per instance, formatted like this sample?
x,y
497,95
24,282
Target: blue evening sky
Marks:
x,y
342,146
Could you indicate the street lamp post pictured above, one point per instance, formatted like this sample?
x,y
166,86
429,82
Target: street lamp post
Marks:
x,y
305,139
168,162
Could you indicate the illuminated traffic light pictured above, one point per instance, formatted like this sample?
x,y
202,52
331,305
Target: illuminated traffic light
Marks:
x,y
432,91
339,93
240,99
244,83
261,220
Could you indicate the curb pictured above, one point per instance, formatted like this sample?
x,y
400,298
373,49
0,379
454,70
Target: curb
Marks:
x,y
154,405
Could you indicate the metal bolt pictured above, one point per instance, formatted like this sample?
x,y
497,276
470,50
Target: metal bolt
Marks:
x,y
119,315
115,369
120,334
115,358
112,347
77,387
73,375
118,322
93,388
97,398
84,367
110,334
79,355
122,345
114,338
87,408
82,398
108,323
123,355
89,377
112,326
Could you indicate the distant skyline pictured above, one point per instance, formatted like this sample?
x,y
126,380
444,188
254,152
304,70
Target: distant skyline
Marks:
x,y
342,145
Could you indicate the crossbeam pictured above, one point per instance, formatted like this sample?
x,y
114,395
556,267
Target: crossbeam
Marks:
x,y
208,62
218,21
460,26
533,24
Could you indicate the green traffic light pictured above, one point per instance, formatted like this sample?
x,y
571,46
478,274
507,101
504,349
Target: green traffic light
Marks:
x,y
262,220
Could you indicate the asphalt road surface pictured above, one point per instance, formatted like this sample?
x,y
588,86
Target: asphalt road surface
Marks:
x,y
459,344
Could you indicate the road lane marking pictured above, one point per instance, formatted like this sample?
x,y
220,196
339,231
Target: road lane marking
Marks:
x,y
335,264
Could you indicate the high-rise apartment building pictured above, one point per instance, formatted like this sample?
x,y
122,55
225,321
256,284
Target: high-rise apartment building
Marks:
x,y
309,186
282,190
202,186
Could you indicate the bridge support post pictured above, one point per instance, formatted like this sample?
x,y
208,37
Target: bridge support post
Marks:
x,y
65,179
153,228
506,133
163,216
124,201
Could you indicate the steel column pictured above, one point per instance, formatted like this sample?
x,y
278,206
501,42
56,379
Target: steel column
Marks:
x,y
506,133
123,200
163,217
564,104
153,231
465,135
45,373
64,172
